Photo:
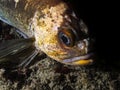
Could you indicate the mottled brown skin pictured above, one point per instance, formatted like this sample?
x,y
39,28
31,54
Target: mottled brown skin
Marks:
x,y
44,19
20,14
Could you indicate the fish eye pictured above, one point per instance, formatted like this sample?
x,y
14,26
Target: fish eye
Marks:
x,y
67,37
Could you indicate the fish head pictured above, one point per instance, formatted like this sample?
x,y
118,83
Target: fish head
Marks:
x,y
74,39
63,37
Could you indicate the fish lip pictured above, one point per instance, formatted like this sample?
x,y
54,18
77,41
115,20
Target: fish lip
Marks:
x,y
78,58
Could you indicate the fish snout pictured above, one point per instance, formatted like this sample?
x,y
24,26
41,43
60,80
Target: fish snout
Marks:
x,y
85,47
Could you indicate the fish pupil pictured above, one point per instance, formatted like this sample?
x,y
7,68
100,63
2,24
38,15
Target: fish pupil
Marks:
x,y
65,39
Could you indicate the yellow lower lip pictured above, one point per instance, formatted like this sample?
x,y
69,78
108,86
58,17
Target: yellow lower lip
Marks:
x,y
83,62
80,60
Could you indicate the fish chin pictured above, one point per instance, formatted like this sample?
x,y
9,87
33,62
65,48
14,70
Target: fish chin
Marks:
x,y
79,60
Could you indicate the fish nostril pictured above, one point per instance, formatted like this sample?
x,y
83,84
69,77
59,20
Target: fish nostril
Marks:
x,y
84,45
89,44
81,45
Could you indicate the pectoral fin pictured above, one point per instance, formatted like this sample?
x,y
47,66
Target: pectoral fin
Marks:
x,y
17,53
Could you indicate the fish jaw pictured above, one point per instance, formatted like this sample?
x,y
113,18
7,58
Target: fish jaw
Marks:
x,y
79,60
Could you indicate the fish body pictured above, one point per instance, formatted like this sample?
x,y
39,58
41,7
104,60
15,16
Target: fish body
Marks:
x,y
56,29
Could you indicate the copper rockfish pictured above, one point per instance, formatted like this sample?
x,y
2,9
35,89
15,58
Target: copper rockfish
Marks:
x,y
53,24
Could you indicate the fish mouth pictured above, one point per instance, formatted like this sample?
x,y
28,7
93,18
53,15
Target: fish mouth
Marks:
x,y
80,60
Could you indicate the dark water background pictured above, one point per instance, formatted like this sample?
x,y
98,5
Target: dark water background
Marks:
x,y
102,19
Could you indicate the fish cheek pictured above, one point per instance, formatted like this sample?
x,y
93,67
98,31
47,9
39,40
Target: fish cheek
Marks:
x,y
70,52
49,45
